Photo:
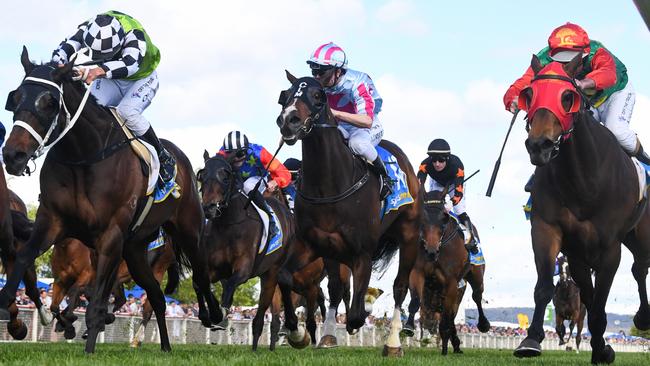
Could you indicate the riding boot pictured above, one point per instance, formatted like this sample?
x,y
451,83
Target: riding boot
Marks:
x,y
258,199
529,185
380,169
167,161
640,154
468,230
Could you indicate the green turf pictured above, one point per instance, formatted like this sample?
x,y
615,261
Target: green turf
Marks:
x,y
121,354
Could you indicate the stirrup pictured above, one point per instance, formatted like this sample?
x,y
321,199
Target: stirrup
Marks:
x,y
472,247
386,189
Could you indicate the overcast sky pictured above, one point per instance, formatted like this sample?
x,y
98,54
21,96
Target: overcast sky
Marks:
x,y
441,67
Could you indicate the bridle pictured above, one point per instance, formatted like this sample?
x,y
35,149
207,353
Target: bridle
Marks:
x,y
447,235
218,208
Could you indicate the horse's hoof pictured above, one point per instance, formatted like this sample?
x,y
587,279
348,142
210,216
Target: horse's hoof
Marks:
x,y
395,352
283,332
45,316
483,325
298,341
407,332
327,341
459,351
607,355
135,343
85,334
58,328
69,333
444,352
641,322
568,348
353,331
223,325
17,329
528,348
109,319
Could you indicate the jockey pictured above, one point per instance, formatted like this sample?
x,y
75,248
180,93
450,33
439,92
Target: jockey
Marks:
x,y
125,76
354,102
441,170
603,78
251,161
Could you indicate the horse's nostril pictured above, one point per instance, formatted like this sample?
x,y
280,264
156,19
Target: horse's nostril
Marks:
x,y
547,144
279,121
294,120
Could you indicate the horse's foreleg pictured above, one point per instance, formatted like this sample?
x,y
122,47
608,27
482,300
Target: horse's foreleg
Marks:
x,y
361,271
580,321
268,283
336,290
546,246
610,259
298,337
138,337
414,306
108,247
46,232
311,296
44,314
143,276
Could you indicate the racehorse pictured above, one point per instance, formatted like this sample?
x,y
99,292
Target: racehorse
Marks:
x,y
231,240
73,271
338,206
586,200
442,263
93,189
568,305
21,228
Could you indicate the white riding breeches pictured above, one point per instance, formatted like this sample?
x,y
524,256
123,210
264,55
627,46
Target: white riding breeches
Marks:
x,y
130,97
615,113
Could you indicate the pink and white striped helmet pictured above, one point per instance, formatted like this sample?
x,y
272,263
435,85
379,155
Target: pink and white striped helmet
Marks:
x,y
329,54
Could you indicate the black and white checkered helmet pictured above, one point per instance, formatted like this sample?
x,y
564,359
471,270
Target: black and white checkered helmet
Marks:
x,y
235,140
104,37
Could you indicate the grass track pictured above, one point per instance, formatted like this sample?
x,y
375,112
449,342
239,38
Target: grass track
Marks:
x,y
120,354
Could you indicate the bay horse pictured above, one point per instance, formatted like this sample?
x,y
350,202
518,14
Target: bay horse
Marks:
x,y
92,189
568,306
443,262
72,266
338,205
586,201
231,240
21,228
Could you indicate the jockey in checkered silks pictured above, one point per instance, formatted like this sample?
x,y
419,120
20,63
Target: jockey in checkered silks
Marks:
x,y
250,161
125,76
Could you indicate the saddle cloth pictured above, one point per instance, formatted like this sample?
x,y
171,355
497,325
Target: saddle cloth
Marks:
x,y
275,242
642,172
158,242
144,151
401,195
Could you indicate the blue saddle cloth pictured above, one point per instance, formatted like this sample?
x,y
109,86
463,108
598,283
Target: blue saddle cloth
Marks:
x,y
401,195
159,242
275,242
477,259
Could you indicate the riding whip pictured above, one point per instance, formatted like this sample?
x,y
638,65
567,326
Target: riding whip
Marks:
x,y
471,175
497,165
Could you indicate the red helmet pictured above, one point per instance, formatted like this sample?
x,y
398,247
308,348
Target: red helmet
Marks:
x,y
567,41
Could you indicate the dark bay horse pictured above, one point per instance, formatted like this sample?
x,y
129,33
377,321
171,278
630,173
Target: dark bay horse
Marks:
x,y
72,266
568,305
338,205
92,189
231,241
586,201
442,263
21,228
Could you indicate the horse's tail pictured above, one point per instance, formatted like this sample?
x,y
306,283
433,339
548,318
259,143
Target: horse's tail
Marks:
x,y
21,225
384,255
173,278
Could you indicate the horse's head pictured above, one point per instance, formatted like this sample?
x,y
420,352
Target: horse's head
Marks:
x,y
38,107
303,105
217,182
552,100
436,219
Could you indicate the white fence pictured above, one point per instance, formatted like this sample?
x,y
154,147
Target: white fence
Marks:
x,y
190,330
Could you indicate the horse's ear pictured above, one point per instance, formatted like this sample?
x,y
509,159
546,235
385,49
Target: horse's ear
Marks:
x,y
572,67
206,156
61,72
27,64
535,64
292,79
